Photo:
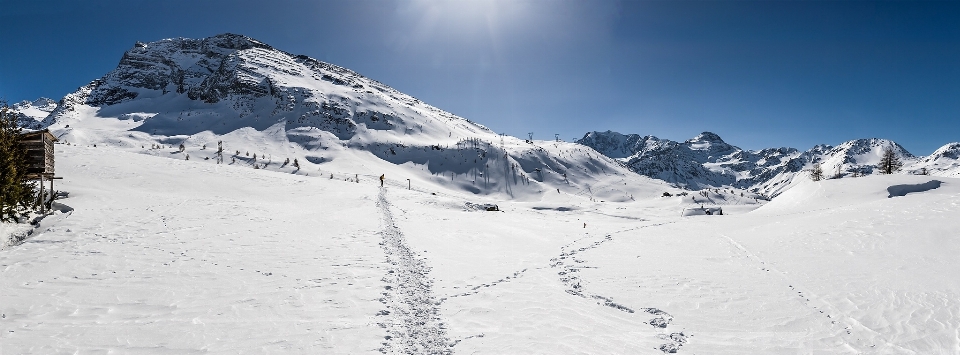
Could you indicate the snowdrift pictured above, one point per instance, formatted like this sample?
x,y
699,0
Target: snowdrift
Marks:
x,y
810,195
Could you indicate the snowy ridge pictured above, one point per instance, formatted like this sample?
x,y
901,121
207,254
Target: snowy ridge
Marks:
x,y
269,108
706,161
229,81
943,162
262,102
30,114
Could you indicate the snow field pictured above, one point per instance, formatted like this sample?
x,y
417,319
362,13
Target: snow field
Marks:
x,y
847,271
173,256
256,255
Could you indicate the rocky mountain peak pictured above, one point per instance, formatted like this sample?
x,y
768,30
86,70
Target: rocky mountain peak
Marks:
x,y
31,113
706,137
229,81
706,161
42,103
874,146
950,150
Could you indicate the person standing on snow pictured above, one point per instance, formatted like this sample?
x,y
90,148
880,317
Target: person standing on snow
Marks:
x,y
381,180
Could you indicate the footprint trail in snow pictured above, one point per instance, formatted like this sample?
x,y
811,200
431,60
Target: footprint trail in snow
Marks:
x,y
569,265
412,314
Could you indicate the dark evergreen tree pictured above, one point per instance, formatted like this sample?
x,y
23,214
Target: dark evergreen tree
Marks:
x,y
816,172
889,162
16,192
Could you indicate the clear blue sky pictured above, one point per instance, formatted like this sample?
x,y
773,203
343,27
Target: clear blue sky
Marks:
x,y
758,73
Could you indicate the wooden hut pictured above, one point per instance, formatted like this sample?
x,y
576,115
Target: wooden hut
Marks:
x,y
39,145
40,159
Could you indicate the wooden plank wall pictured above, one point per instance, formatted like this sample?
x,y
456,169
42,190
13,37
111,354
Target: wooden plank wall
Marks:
x,y
40,159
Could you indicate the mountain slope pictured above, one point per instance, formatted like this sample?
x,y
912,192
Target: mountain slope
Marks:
x,y
706,161
270,108
945,161
30,114
260,102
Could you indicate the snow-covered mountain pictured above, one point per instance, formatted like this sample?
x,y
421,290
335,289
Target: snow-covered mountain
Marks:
x,y
945,161
225,82
268,106
706,161
151,244
31,113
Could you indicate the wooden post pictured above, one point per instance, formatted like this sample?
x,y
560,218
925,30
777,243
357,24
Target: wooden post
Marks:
x,y
40,198
51,192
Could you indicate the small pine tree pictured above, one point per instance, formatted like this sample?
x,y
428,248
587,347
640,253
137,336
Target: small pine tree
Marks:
x,y
16,192
296,164
889,162
816,172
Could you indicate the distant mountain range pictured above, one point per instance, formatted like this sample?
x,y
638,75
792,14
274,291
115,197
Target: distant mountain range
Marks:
x,y
706,161
30,114
243,92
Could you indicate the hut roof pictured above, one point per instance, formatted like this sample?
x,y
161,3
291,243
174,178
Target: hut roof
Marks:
x,y
36,134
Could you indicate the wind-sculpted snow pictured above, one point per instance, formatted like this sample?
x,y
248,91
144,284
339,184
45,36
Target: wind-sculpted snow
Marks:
x,y
903,190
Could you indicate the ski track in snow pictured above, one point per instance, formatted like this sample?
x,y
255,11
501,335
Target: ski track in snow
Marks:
x,y
569,265
412,315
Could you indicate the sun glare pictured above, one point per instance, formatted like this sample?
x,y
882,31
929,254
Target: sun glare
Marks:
x,y
466,19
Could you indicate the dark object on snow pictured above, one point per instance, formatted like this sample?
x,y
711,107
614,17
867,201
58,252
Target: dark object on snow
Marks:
x,y
903,190
702,211
667,194
483,207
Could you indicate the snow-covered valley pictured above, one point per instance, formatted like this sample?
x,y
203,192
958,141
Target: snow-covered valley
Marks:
x,y
161,255
223,196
